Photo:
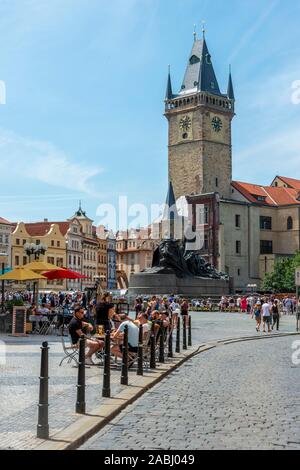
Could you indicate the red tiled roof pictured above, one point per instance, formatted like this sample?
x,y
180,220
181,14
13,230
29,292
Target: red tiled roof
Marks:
x,y
274,196
39,229
4,221
293,183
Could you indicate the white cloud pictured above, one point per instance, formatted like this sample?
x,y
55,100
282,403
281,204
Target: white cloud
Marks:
x,y
23,158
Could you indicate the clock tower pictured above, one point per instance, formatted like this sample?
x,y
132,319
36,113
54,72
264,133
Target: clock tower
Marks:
x,y
199,116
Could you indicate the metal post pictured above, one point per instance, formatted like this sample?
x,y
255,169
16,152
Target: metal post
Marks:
x,y
178,337
161,344
3,288
152,348
124,376
140,352
80,404
106,374
190,331
170,345
297,310
184,342
43,406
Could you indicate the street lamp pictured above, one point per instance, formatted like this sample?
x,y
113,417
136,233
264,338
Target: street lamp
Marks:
x,y
34,249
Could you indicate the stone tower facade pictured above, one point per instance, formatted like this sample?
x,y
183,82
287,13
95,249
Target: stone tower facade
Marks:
x,y
199,116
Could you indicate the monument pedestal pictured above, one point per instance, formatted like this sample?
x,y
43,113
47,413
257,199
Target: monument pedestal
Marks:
x,y
192,287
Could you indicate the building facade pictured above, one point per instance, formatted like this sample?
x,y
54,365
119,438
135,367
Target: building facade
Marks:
x,y
111,260
102,256
5,242
74,243
135,249
89,248
52,235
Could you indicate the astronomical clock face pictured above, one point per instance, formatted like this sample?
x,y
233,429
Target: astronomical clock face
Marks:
x,y
185,123
218,128
217,124
185,127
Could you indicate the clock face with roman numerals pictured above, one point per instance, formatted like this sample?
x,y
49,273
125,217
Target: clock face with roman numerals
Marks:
x,y
217,124
185,123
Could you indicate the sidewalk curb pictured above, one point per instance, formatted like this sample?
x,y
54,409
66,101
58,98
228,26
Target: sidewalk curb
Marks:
x,y
76,434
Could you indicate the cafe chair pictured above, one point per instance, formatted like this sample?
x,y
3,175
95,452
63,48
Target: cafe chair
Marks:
x,y
71,353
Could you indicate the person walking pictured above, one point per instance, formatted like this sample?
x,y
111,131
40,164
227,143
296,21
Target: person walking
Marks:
x,y
257,315
276,315
266,314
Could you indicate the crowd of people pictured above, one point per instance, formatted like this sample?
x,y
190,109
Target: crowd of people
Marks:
x,y
156,313
245,304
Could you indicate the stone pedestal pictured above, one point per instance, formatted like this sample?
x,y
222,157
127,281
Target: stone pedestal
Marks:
x,y
192,287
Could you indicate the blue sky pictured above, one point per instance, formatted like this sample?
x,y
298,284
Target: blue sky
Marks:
x,y
85,83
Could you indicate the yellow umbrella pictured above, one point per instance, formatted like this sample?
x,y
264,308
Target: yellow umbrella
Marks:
x,y
21,274
42,266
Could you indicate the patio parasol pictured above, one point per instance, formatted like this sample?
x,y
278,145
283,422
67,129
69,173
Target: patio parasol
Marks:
x,y
42,266
63,273
21,274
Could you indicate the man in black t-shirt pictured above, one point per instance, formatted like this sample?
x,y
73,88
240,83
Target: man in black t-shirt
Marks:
x,y
76,327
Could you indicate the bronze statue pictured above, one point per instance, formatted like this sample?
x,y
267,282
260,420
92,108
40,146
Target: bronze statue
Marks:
x,y
171,256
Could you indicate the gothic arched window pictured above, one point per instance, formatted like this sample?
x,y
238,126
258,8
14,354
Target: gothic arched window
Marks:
x,y
290,223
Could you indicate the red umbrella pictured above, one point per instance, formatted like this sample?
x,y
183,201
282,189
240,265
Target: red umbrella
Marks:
x,y
63,274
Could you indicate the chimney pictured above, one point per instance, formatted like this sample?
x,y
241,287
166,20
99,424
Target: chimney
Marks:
x,y
45,220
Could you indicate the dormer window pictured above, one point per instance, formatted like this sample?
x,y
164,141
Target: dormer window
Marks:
x,y
259,198
212,85
194,60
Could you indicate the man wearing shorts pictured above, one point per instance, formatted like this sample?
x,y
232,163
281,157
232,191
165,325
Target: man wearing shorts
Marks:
x,y
266,314
76,326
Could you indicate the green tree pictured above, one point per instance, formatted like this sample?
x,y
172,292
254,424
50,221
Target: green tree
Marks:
x,y
282,279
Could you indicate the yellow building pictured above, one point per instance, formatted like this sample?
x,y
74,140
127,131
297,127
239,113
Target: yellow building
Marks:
x,y
102,255
52,235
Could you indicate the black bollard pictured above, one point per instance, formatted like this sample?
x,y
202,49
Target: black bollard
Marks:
x,y
184,342
140,352
124,376
43,406
80,403
178,337
106,374
170,345
152,348
190,331
161,345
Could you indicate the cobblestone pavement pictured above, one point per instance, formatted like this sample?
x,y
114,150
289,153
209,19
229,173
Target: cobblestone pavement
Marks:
x,y
19,378
239,396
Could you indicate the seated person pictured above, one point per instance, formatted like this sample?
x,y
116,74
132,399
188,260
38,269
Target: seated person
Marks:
x,y
43,310
164,317
142,319
133,338
76,326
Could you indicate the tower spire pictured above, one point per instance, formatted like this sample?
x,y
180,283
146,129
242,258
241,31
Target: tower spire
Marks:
x,y
230,91
195,33
169,91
